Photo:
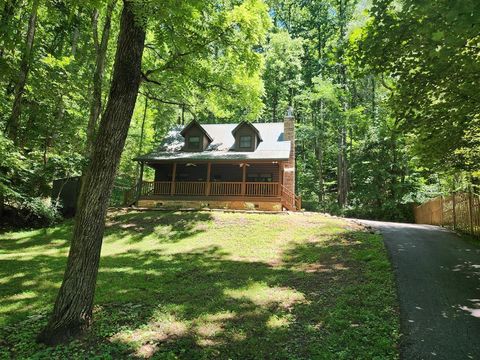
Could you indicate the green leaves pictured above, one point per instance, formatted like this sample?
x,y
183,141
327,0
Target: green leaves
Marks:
x,y
203,55
283,73
61,62
429,49
438,36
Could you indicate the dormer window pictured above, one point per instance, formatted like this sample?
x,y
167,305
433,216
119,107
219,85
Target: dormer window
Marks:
x,y
196,138
246,136
245,141
194,142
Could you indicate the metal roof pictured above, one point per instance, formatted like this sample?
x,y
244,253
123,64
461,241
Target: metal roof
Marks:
x,y
273,146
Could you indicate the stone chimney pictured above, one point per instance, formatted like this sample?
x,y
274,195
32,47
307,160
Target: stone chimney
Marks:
x,y
289,135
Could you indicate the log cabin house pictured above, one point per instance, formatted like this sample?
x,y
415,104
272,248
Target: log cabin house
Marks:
x,y
224,166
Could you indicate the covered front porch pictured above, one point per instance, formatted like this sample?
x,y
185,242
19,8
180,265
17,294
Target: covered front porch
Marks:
x,y
219,180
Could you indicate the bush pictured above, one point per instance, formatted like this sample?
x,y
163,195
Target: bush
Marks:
x,y
29,212
42,211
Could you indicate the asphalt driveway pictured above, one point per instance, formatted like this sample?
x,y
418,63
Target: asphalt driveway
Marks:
x,y
438,281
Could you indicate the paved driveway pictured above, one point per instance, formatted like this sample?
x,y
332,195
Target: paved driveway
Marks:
x,y
438,280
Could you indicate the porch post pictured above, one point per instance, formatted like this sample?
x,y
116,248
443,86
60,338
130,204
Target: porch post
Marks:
x,y
281,165
209,170
244,178
174,174
140,183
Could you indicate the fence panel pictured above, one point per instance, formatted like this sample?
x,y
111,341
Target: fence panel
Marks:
x,y
462,215
476,214
460,211
448,213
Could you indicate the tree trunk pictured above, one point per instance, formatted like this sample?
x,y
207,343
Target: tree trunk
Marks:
x,y
12,123
319,153
342,167
342,175
183,114
274,107
101,54
50,134
2,203
374,101
72,313
76,33
142,134
320,138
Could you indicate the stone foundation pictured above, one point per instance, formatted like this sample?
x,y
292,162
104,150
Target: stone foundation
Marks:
x,y
203,204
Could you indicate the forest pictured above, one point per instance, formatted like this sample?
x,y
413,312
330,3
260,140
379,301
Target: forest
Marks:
x,y
385,98
385,93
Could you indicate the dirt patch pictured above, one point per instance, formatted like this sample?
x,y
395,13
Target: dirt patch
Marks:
x,y
237,221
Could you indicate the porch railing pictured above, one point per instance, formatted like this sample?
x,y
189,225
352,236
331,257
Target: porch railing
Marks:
x,y
190,188
226,188
261,189
155,187
203,188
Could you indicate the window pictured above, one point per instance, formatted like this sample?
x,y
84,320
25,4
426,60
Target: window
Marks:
x,y
245,141
194,142
260,178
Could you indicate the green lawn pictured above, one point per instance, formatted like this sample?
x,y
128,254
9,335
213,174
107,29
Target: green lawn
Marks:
x,y
204,285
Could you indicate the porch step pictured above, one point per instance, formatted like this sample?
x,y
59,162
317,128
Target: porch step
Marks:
x,y
290,201
288,206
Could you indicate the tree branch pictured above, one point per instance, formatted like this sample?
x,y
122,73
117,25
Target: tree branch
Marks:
x,y
169,102
178,55
95,29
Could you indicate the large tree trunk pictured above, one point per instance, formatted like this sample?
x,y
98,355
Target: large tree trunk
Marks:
x,y
72,313
101,54
12,124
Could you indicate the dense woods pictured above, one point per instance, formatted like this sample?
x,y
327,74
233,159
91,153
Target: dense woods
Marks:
x,y
384,92
384,95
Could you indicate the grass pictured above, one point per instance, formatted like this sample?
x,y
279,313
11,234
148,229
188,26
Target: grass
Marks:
x,y
203,285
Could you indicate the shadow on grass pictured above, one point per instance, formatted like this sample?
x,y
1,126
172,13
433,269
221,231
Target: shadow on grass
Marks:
x,y
29,279
170,226
53,237
202,304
